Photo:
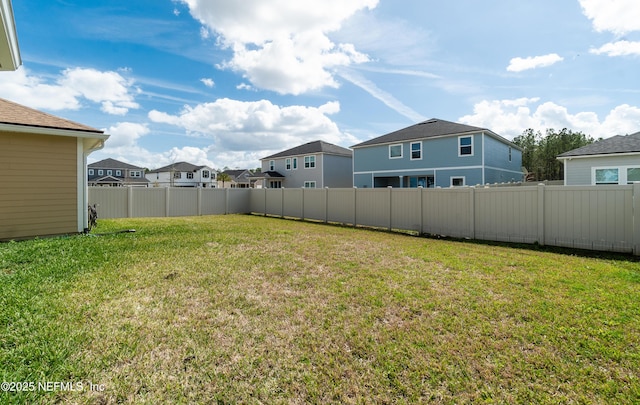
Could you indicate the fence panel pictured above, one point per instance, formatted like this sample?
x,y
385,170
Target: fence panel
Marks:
x,y
148,202
591,217
341,205
111,202
212,201
238,201
183,202
406,209
447,211
273,201
315,203
292,202
507,214
373,207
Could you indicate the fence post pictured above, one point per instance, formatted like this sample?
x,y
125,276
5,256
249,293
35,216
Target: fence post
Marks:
x,y
421,200
541,240
167,201
389,188
326,205
199,201
636,218
355,206
472,212
226,201
302,208
129,202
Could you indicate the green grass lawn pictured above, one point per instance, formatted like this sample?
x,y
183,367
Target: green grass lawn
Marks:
x,y
246,309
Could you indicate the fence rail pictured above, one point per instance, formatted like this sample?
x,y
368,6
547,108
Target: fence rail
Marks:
x,y
605,218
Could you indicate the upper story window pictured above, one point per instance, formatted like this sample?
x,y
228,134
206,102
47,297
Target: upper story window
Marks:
x,y
395,151
109,172
118,172
416,150
287,164
465,146
100,172
90,172
135,173
190,175
272,165
177,175
295,163
205,174
309,162
509,153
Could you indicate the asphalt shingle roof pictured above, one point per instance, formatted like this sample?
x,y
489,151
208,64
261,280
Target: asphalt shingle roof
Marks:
x,y
113,164
13,113
179,167
427,129
615,144
313,147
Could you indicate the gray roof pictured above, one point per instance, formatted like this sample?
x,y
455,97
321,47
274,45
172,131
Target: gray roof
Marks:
x,y
267,175
427,129
178,167
615,144
113,164
313,147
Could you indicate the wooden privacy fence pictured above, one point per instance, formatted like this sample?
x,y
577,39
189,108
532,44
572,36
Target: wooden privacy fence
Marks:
x,y
605,218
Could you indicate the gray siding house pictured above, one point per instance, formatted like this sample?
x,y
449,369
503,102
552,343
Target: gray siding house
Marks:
x,y
436,153
614,160
315,164
114,173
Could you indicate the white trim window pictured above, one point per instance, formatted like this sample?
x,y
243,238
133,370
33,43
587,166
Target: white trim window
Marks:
x,y
287,164
90,172
109,172
606,175
465,145
309,184
190,175
310,162
633,174
395,151
119,173
135,174
272,165
177,175
416,150
458,181
100,172
205,174
295,163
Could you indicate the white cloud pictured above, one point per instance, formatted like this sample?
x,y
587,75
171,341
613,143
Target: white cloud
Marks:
x,y
619,48
125,134
112,91
510,118
259,125
207,82
616,16
282,45
533,62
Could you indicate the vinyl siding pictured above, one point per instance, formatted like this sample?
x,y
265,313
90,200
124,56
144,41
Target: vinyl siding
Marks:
x,y
38,185
578,170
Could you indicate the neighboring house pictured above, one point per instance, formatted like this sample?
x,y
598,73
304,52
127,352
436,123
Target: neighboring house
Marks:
x,y
182,174
43,161
315,164
237,179
436,153
614,160
9,49
113,173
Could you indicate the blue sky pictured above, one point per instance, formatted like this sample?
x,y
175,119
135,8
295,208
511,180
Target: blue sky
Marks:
x,y
226,83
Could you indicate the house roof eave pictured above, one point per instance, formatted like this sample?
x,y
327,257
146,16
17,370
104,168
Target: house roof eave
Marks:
x,y
10,58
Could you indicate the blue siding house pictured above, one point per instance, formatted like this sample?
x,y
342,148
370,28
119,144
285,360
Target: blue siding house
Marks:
x,y
436,153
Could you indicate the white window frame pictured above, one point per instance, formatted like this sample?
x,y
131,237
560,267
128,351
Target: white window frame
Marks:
x,y
295,163
623,174
177,175
419,150
310,162
287,164
90,172
205,174
135,174
190,175
309,184
100,172
272,165
118,172
395,145
460,146
463,178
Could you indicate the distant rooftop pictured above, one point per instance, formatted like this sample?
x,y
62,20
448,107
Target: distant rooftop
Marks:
x,y
313,147
615,144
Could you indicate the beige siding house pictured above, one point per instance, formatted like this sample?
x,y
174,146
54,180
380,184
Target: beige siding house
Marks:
x,y
43,161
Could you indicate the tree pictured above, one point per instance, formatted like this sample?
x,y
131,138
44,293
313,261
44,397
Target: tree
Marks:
x,y
539,156
222,176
